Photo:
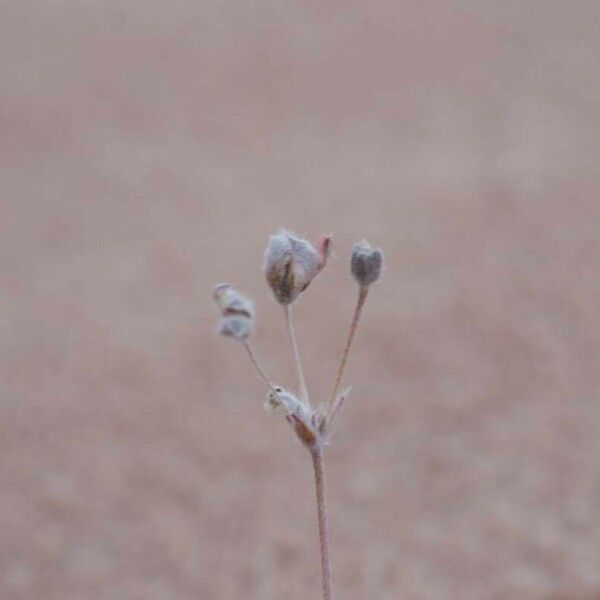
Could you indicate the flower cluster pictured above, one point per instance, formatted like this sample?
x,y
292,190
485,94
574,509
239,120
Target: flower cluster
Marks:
x,y
290,265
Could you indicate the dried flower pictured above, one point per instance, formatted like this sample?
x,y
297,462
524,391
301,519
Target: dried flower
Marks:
x,y
291,263
237,312
365,263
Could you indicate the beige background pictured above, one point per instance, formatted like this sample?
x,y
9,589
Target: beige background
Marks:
x,y
147,150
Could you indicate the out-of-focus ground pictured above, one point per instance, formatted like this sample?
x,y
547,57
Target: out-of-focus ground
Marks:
x,y
147,149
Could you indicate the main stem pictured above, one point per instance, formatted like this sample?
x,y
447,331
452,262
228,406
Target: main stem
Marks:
x,y
319,469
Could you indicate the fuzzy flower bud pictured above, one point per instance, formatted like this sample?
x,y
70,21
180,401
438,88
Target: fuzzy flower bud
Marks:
x,y
366,263
296,412
237,312
291,263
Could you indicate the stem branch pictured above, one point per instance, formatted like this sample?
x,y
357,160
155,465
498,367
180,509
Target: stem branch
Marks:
x,y
301,381
362,296
319,469
256,364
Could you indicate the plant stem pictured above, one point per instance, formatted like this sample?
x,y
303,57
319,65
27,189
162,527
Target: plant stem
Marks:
x,y
256,364
362,296
319,469
301,381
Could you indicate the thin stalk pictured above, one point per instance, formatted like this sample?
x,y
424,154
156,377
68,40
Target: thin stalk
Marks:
x,y
319,470
301,380
256,364
362,296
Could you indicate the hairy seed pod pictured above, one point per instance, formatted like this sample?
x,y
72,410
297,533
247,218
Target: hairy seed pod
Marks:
x,y
291,263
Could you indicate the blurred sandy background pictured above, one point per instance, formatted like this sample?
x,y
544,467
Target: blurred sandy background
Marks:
x,y
147,150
